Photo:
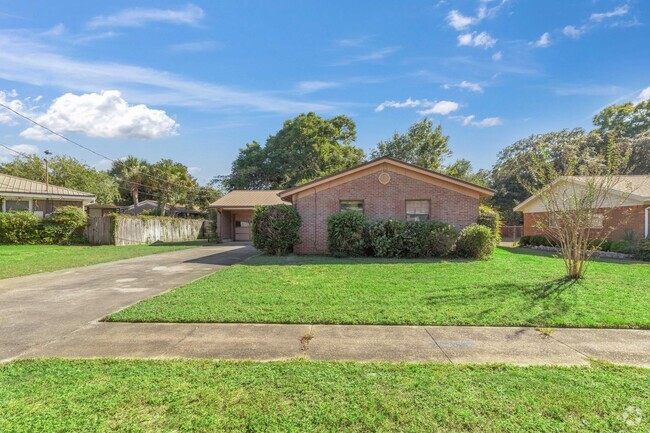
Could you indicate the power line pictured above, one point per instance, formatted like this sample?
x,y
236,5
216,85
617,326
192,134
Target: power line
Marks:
x,y
17,113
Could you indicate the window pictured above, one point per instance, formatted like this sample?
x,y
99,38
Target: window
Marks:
x,y
417,210
597,221
16,205
351,205
242,223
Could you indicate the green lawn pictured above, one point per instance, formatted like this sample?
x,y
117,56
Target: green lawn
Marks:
x,y
299,396
516,287
20,260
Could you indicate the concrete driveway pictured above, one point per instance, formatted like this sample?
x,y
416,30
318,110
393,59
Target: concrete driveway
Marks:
x,y
39,309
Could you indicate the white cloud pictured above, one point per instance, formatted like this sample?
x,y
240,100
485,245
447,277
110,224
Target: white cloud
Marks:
x,y
484,123
460,21
24,59
195,47
474,39
573,32
10,99
352,42
619,11
497,56
369,57
103,114
315,86
644,95
429,107
7,155
136,17
394,104
441,107
474,87
543,41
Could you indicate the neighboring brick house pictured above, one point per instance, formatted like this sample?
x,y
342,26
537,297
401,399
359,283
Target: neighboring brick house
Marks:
x,y
382,188
630,198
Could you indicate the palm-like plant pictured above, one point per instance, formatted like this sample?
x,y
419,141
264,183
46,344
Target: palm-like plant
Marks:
x,y
132,172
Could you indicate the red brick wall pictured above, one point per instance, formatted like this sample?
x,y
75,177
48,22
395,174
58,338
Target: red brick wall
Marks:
x,y
380,201
633,217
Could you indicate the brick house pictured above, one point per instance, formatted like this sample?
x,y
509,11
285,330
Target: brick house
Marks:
x,y
382,188
630,198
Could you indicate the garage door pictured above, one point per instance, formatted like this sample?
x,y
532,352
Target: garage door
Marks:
x,y
242,230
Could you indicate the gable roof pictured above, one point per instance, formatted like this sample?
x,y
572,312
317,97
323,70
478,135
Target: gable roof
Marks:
x,y
248,199
481,190
18,185
633,187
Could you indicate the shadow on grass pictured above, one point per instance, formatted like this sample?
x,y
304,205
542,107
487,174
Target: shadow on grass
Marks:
x,y
296,260
556,254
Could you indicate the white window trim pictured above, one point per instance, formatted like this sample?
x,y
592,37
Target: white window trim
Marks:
x,y
29,200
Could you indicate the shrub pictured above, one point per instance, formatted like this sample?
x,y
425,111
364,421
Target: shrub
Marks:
x,y
475,241
642,250
624,247
600,244
438,239
490,218
66,223
535,241
276,229
347,234
388,237
19,228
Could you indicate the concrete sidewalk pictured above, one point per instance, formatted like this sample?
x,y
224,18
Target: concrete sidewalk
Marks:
x,y
446,344
38,309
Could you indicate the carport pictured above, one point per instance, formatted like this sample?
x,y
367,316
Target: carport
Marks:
x,y
235,212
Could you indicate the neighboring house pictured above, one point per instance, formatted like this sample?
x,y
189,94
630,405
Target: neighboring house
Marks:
x,y
630,198
382,188
235,212
18,194
152,206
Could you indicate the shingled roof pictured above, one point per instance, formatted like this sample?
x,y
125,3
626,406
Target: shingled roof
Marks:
x,y
17,185
248,199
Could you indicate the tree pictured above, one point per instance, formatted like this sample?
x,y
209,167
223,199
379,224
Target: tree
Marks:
x,y
421,145
172,183
462,169
203,196
67,172
511,172
577,198
625,120
131,173
306,148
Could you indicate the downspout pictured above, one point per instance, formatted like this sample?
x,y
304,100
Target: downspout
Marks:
x,y
647,223
316,217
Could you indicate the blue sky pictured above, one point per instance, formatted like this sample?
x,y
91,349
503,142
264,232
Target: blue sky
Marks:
x,y
196,81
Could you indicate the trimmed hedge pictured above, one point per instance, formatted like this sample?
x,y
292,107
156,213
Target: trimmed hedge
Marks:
x,y
535,241
476,242
347,234
276,229
351,234
65,225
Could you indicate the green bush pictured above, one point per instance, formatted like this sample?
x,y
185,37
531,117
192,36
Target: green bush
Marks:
x,y
600,244
476,242
437,238
642,250
19,228
347,234
490,218
535,241
623,247
388,237
276,229
67,224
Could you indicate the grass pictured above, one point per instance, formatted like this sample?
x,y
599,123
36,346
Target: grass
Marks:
x,y
20,260
516,288
300,396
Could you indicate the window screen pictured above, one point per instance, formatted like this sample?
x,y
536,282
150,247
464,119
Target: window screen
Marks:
x,y
17,205
597,221
417,210
353,205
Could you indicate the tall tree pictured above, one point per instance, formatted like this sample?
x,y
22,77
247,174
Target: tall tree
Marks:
x,y
462,169
307,147
172,183
421,145
67,172
132,173
624,120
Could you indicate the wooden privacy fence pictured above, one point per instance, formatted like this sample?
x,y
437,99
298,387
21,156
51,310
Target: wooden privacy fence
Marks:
x,y
121,230
511,233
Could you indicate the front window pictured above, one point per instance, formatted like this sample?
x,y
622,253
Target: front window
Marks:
x,y
597,221
351,205
417,210
16,205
